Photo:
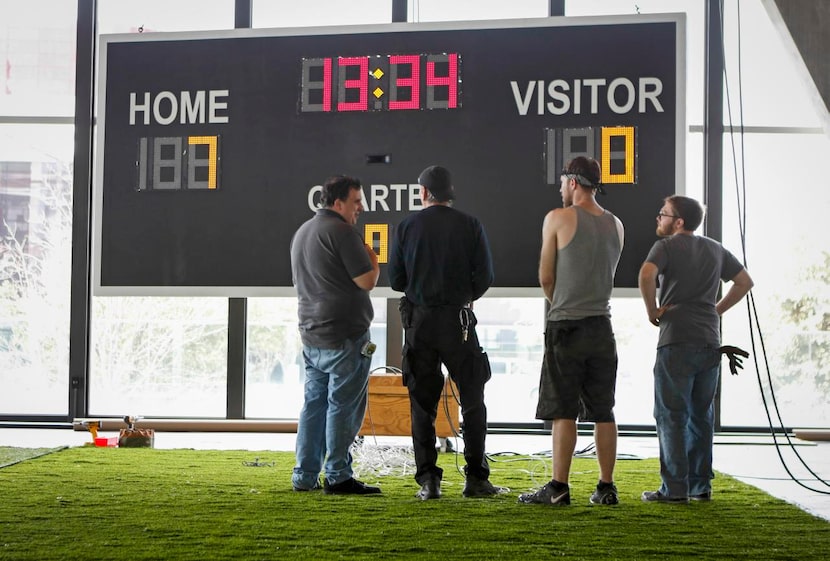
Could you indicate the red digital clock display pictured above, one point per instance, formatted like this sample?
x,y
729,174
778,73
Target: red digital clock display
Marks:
x,y
380,83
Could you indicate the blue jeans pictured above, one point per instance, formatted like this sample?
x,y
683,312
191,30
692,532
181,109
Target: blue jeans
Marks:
x,y
685,382
336,387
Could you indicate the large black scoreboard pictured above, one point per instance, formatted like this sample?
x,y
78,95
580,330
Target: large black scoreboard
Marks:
x,y
212,147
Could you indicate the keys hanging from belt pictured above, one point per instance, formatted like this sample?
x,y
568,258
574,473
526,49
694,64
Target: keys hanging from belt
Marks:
x,y
464,319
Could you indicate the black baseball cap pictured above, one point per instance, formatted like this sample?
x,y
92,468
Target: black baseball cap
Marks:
x,y
438,180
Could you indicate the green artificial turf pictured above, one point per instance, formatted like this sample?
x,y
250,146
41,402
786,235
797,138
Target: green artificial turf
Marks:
x,y
132,504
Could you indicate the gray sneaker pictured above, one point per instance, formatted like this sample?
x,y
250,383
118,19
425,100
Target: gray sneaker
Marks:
x,y
551,493
316,486
605,494
658,497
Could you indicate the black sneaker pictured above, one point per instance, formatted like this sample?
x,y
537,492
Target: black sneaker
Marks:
x,y
431,489
658,497
707,496
349,487
605,494
551,493
475,487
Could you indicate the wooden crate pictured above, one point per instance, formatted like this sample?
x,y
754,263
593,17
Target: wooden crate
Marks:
x,y
387,413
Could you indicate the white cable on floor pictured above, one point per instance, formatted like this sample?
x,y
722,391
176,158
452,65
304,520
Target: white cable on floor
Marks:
x,y
382,460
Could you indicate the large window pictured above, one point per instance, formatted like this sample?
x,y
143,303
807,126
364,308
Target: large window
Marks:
x,y
164,357
791,268
774,167
320,12
168,356
275,370
460,10
147,16
37,52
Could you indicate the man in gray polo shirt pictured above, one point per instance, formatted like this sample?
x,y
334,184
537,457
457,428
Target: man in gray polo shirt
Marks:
x,y
333,271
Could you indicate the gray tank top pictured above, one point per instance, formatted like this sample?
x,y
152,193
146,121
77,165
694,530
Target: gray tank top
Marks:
x,y
585,268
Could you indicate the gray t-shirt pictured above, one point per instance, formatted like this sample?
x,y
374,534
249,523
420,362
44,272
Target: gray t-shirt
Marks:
x,y
585,268
326,254
690,269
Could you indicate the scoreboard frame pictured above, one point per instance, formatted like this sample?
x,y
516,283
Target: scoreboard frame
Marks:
x,y
211,146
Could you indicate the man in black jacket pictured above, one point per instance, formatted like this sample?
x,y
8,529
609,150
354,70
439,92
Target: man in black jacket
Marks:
x,y
441,260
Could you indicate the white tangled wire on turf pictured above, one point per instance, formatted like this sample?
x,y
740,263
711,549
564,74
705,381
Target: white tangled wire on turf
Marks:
x,y
378,461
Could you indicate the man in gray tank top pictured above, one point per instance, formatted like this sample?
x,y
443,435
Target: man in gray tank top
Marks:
x,y
581,246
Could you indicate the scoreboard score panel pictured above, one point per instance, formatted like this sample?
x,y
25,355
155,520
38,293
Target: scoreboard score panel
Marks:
x,y
393,81
213,146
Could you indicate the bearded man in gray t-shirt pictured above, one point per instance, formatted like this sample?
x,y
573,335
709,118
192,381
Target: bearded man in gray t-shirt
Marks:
x,y
690,269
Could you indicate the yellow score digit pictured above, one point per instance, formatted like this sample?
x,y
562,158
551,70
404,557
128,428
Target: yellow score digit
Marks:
x,y
379,232
211,144
627,176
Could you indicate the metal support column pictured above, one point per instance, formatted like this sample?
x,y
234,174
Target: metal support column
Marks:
x,y
80,294
238,307
394,328
713,136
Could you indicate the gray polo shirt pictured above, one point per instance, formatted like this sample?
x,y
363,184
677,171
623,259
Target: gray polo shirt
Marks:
x,y
326,254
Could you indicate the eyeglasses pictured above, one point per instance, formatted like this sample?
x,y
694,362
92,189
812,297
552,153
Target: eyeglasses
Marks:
x,y
659,214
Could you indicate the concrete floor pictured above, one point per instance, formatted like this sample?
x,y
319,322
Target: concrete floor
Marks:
x,y
752,459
